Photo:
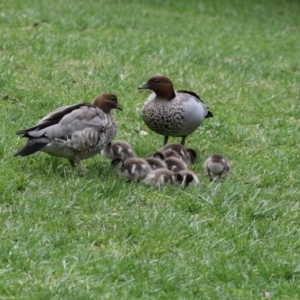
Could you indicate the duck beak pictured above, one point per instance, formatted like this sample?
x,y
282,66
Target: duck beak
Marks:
x,y
119,107
144,86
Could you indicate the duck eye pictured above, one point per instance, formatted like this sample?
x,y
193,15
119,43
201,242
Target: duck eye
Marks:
x,y
113,98
156,80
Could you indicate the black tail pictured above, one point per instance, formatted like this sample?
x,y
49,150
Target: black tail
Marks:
x,y
209,115
31,147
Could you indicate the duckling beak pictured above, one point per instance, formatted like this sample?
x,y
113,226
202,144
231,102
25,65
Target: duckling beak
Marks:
x,y
144,86
119,107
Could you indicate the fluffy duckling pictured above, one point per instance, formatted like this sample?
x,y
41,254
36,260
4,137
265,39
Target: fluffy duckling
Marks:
x,y
156,163
216,165
175,164
161,177
188,155
118,148
173,160
172,113
132,168
75,132
187,177
166,154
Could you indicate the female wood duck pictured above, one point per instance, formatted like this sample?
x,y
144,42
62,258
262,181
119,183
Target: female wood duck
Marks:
x,y
75,132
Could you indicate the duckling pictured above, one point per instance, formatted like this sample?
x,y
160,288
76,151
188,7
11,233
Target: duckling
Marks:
x,y
156,163
173,160
216,165
165,154
187,178
188,155
132,168
119,149
75,132
161,177
175,164
172,113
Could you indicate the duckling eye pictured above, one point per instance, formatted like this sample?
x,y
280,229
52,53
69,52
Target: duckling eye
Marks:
x,y
156,80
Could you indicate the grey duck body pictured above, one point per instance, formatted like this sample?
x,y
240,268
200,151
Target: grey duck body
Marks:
x,y
74,132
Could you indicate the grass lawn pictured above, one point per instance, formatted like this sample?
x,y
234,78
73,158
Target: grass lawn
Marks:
x,y
65,236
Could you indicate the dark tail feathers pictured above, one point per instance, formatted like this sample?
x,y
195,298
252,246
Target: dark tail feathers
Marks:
x,y
31,147
209,115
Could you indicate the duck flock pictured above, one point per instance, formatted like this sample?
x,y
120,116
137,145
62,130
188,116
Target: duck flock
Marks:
x,y
83,130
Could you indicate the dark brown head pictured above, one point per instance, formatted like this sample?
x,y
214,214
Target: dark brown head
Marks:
x,y
161,85
106,102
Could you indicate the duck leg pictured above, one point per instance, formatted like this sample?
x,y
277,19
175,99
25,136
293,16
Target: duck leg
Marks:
x,y
209,175
166,139
79,167
183,140
72,163
77,163
220,174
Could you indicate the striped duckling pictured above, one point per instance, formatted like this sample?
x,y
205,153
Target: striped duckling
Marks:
x,y
133,168
156,163
188,155
166,153
118,149
75,132
187,178
216,165
173,162
160,177
172,113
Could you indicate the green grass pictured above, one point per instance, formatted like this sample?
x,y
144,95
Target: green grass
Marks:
x,y
65,236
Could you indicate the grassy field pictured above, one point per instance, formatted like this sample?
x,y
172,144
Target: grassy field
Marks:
x,y
65,236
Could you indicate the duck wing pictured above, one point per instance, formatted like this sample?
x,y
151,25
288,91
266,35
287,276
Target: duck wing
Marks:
x,y
53,118
80,129
84,139
209,113
191,93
